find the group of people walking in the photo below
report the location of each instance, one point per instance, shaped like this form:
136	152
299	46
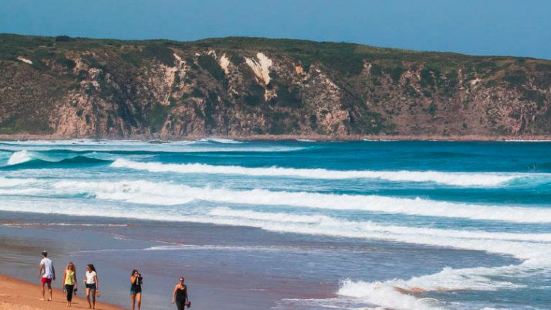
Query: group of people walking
91	283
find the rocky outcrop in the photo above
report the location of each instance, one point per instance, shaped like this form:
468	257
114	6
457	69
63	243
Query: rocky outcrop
257	87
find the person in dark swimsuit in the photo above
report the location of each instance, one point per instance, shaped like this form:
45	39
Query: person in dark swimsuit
179	295
136	289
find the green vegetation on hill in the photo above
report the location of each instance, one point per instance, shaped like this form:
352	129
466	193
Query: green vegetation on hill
118	88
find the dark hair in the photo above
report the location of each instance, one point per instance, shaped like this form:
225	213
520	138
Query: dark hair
182	279
44	253
134	271
91	266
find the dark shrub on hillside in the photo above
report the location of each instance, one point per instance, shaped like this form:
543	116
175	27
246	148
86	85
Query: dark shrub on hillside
255	95
159	52
289	97
63	39
157	117
426	78
210	64
67	63
396	73
516	78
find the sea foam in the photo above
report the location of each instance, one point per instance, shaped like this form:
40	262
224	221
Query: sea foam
220	140
19	157
146	192
531	248
447	178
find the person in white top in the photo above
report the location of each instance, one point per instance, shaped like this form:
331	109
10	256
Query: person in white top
47	274
91	282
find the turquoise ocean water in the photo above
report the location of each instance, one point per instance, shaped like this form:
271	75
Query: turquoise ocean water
401	225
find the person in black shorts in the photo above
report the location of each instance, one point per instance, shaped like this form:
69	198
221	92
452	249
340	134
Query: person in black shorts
91	282
136	289
179	295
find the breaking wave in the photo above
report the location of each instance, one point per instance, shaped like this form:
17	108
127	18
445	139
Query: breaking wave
447	178
26	159
129	146
220	140
97	193
530	248
19	157
145	192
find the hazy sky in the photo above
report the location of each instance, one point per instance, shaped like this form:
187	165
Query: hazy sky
500	27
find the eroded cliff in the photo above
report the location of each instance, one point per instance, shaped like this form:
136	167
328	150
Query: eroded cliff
240	87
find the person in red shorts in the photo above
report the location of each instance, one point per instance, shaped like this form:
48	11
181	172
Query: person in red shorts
47	274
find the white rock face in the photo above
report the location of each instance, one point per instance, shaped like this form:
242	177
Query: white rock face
25	60
178	59
475	81
212	53
261	68
224	62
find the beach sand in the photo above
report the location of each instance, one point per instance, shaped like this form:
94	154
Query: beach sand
17	294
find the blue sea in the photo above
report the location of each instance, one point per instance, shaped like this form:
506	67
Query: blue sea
288	224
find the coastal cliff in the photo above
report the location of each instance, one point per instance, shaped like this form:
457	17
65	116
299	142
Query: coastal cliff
66	87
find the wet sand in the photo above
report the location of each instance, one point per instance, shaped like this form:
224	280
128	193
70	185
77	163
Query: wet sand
18	294
228	267
219	275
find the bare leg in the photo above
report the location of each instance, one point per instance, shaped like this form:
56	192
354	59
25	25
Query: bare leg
139	298
88	297
43	291
94	299
50	291
133	301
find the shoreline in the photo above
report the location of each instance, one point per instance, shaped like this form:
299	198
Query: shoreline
326	138
20	294
200	274
119	246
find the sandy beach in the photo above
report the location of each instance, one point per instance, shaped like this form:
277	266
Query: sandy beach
17	294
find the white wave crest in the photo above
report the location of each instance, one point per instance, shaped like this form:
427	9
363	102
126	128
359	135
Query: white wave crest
144	192
401	294
229	248
220	145
19	157
407	294
220	140
342	228
12	182
447	178
533	247
382	294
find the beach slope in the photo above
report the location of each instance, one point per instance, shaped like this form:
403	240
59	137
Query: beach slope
17	294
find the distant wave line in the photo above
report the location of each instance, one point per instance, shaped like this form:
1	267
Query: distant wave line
463	179
145	192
